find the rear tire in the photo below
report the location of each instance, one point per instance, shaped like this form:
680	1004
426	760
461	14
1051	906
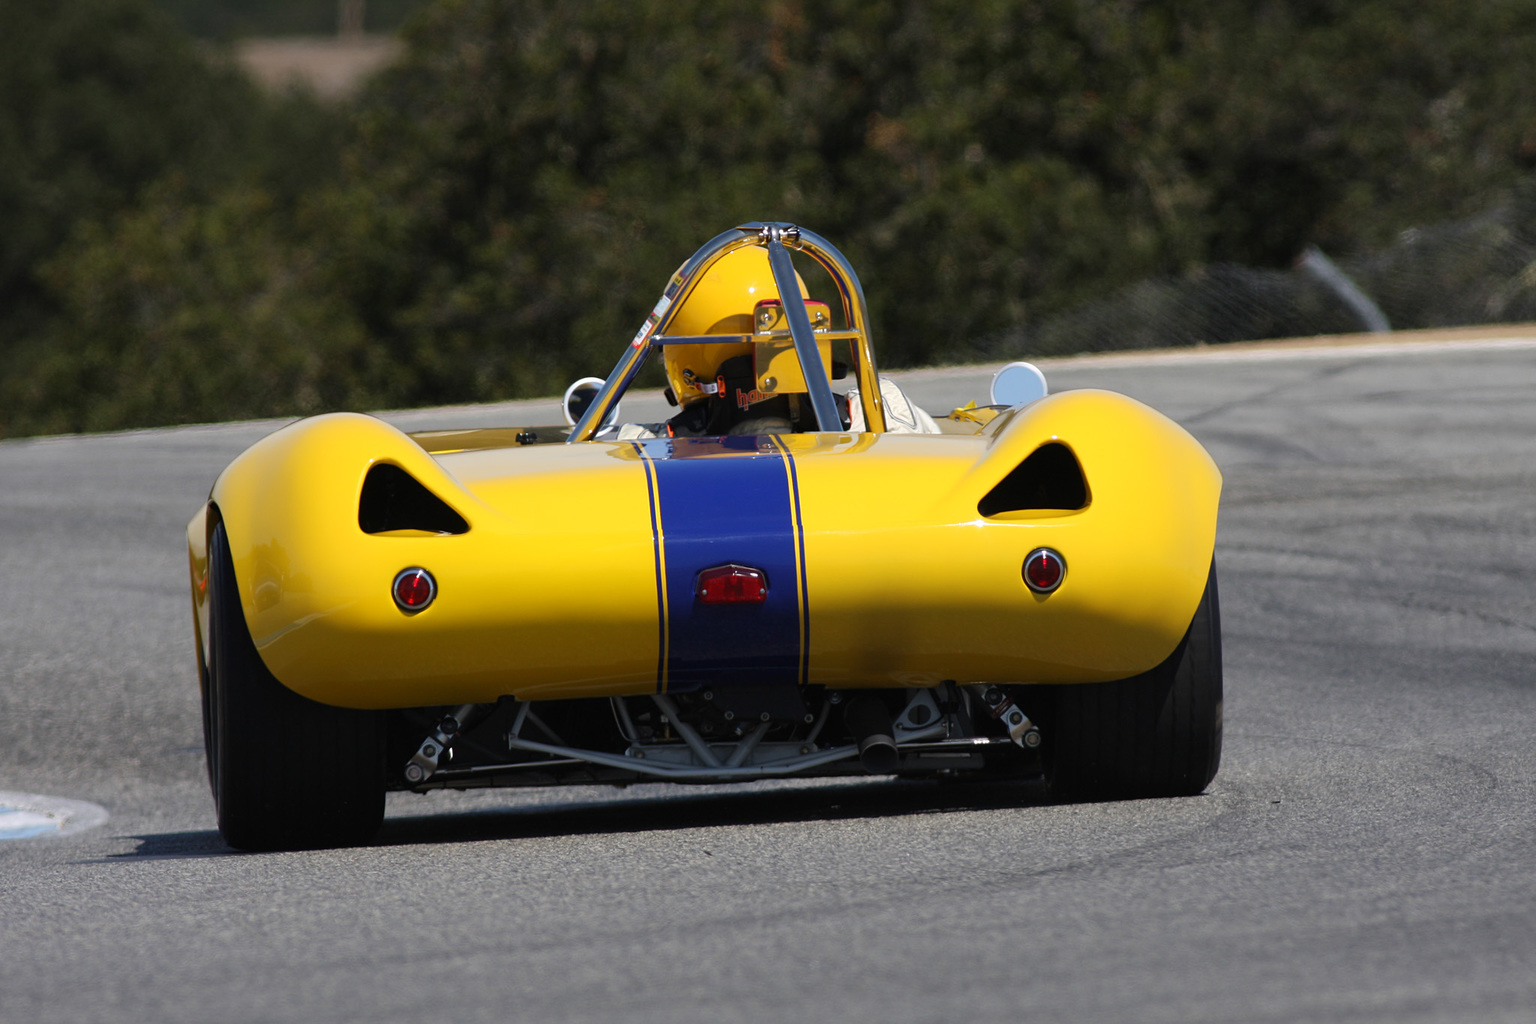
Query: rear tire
1156	734
287	772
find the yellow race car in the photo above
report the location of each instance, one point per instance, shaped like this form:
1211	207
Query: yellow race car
798	574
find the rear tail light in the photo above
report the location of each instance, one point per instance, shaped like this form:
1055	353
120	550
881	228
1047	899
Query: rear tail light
414	589
732	584
1044	570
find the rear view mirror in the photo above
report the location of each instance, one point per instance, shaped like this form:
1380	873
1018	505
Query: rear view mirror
579	396
1018	384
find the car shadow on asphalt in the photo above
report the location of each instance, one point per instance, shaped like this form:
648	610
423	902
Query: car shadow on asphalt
650	813
677	812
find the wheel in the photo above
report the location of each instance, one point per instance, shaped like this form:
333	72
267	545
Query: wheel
1156	734
286	772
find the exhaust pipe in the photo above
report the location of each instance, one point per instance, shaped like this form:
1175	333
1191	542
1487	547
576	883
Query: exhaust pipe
870	723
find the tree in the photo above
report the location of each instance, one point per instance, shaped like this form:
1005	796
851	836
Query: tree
97	99
509	199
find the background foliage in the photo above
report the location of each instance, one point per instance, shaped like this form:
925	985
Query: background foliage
498	210
230	19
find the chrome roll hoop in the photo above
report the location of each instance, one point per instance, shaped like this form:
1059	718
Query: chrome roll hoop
778	238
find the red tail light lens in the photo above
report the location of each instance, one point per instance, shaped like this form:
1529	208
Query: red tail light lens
414	589
1044	570
732	584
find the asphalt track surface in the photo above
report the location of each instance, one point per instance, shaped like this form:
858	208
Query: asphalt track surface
1367	851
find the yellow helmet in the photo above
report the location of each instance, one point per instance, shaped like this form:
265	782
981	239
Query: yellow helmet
721	303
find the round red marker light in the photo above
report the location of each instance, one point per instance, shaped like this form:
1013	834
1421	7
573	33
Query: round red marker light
414	589
1044	570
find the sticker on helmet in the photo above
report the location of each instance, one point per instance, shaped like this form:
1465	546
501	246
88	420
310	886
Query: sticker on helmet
691	379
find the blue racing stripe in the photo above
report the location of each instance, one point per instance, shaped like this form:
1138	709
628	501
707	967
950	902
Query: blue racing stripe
661	590
805	603
723	500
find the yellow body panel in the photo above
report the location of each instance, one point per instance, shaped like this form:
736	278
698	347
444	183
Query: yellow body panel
931	590
553	591
516	604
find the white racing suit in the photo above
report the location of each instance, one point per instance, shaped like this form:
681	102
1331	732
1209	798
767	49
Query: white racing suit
901	415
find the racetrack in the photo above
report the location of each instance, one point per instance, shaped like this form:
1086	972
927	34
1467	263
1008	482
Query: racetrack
1367	851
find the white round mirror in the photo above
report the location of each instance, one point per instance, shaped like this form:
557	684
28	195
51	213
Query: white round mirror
1017	384
578	397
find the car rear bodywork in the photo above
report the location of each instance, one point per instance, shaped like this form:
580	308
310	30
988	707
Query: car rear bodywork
573	574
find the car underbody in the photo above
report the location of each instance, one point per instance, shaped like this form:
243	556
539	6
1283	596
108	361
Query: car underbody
728	733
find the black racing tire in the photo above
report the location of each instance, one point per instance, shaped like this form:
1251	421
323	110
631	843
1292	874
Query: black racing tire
1153	735
287	772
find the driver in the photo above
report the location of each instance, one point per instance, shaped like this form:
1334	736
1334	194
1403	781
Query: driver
716	383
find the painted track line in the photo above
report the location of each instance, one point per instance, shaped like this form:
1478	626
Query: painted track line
30	816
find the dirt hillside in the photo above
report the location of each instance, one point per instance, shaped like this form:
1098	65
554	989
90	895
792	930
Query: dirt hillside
333	66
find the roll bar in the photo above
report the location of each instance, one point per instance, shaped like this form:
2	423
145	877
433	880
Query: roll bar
778	238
